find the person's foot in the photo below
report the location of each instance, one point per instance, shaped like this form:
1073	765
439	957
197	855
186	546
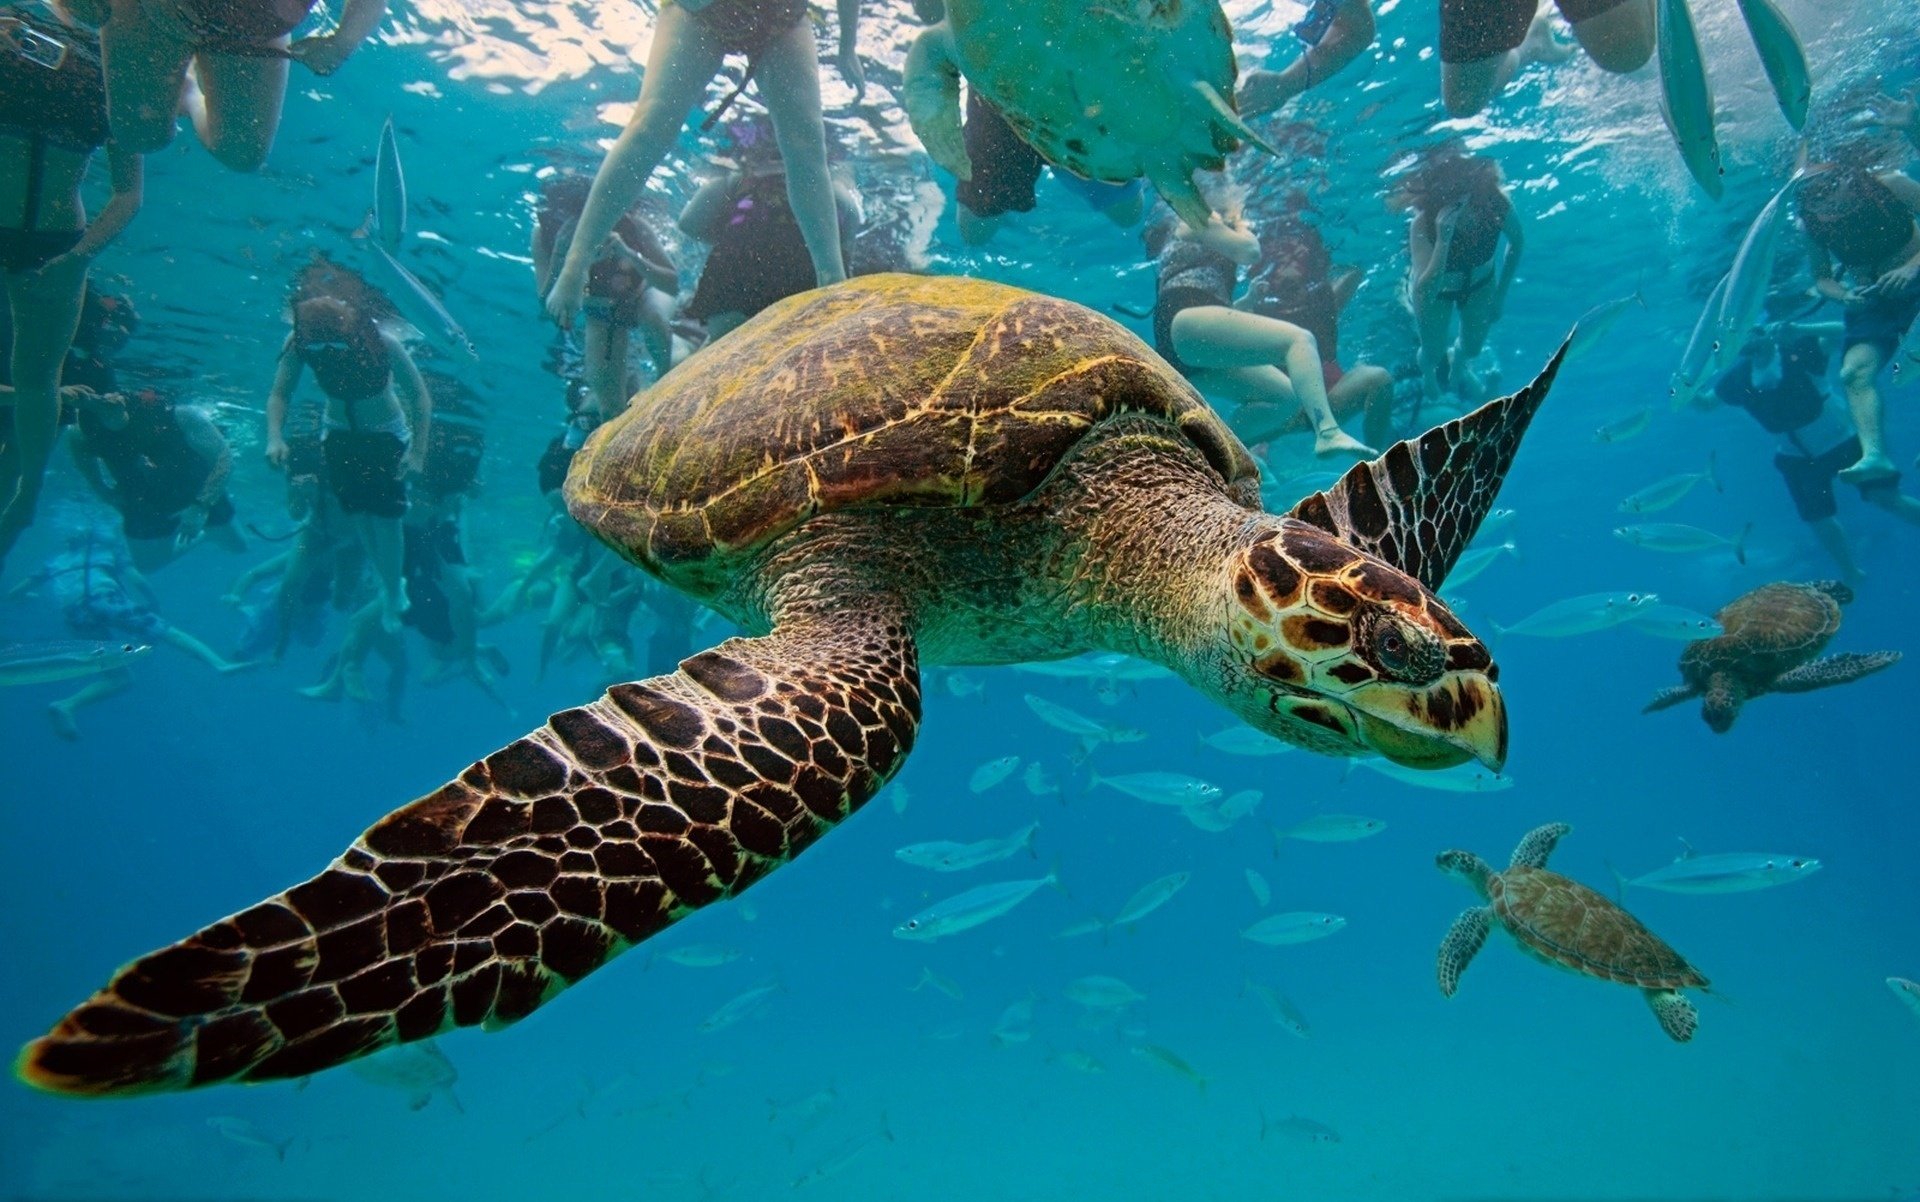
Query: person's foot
393	610
1869	469
63	724
1335	441
1541	45
227	667
326	690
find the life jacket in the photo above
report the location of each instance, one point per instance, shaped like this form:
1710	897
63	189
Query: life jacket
52	88
152	463
352	368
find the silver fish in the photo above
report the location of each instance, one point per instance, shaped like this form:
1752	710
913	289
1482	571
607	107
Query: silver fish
958	857
1302	1130
1679	539
1105	665
1669	492
419	1070
1907	991
845	1155
967	910
1039	781
1079	1062
1168	1058
1103	993
899	798
1467	778
1283	1011
1783	57
1150	897
932	979
744	1006
1331	828
1496	519
1674	622
1090	732
1626	427
991	773
960	684
1702	344
1595	323
421	307
1580	615
44	663
803	1110
1257	885
1015	1024
1751	277
1217	816
1295	926
701	955
389	191
244	1133
1474	562
1245	740
1088	926
1724	872
1163	788
1687	99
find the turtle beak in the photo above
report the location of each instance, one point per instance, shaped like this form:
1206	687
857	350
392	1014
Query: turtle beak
1457	718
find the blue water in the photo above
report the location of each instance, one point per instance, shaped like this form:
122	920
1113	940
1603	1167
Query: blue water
189	796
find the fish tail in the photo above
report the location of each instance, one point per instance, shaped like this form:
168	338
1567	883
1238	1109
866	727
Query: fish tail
1740	544
1619	883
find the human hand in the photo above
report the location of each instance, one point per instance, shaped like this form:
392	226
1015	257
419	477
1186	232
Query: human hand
1888	112
1898	280
277	452
852	71
321	54
568	293
193	524
1230	236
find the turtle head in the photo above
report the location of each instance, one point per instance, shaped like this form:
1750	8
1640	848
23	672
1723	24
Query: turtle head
1342	653
1465	866
1720	702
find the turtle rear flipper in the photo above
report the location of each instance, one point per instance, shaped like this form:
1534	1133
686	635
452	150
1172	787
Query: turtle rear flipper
1833	669
930	92
1669	697
481	901
1677	1016
1464	939
1419	505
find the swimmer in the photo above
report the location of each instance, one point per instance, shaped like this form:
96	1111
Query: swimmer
1331	35
1484	42
163	466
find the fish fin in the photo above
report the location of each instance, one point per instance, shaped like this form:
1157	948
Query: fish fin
1740	545
1619	883
1686	850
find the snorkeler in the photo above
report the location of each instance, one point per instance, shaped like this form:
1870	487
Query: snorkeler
1483	42
1780	380
104	597
53	116
1863	224
221	62
166	469
632	285
1245	357
690	40
1460	217
759	255
371	441
1332	34
1294	282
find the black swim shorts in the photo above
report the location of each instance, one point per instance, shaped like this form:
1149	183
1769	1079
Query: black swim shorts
1882	321
364	471
1473	30
1005	169
1810	479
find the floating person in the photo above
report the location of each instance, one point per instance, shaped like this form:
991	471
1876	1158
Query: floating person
1460	218
1773	635
1562	923
1259	363
53	116
1137	522
1293	282
631	286
108	322
1005	171
223	65
165	470
1331	35
1483	43
103	597
1780	382
689	42
1860	225
759	254
326	561
372	440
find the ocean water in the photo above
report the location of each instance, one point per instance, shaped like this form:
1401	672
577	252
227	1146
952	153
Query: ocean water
191	796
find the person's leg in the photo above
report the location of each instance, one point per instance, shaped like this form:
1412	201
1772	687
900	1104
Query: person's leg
1833	540
656	328
1621	39
346	674
1895	502
146	68
98	689
788	72
200	651
1476	322
385	547
1469	85
1859	369
1368	390
1433	323
1213	336
605	366
46	312
236	107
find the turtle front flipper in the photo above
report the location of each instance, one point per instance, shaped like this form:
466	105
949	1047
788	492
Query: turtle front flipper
481	901
1419	505
930	92
1832	670
1538	844
1677	1016
1464	939
1671	696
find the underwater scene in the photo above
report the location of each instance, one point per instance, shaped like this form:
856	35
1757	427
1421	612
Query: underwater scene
1387	527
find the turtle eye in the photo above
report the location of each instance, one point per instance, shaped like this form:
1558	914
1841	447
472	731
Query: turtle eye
1397	649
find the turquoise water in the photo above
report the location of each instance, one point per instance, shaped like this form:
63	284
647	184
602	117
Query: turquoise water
189	797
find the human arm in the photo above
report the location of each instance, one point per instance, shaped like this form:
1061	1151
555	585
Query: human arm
414	396
1351	33
211	446
848	60
1344	283
1515	234
649	257
1428	252
1901	277
702	217
324	53
128	171
1223	237
1901	115
286	375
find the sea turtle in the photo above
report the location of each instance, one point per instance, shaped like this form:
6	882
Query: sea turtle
1771	637
892	470
1563	923
1111	91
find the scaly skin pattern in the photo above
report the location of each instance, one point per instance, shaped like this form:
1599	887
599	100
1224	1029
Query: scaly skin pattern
487	897
1571	926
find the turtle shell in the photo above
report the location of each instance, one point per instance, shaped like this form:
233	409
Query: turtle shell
1569	925
885	391
1772	629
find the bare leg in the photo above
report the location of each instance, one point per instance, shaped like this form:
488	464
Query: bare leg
1833	539
1466	88
1621	39
1858	371
656	328
1433	319
46	311
1214	336
789	78
382	539
98	689
1476	322
146	68
236	108
1900	505
605	367
200	651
